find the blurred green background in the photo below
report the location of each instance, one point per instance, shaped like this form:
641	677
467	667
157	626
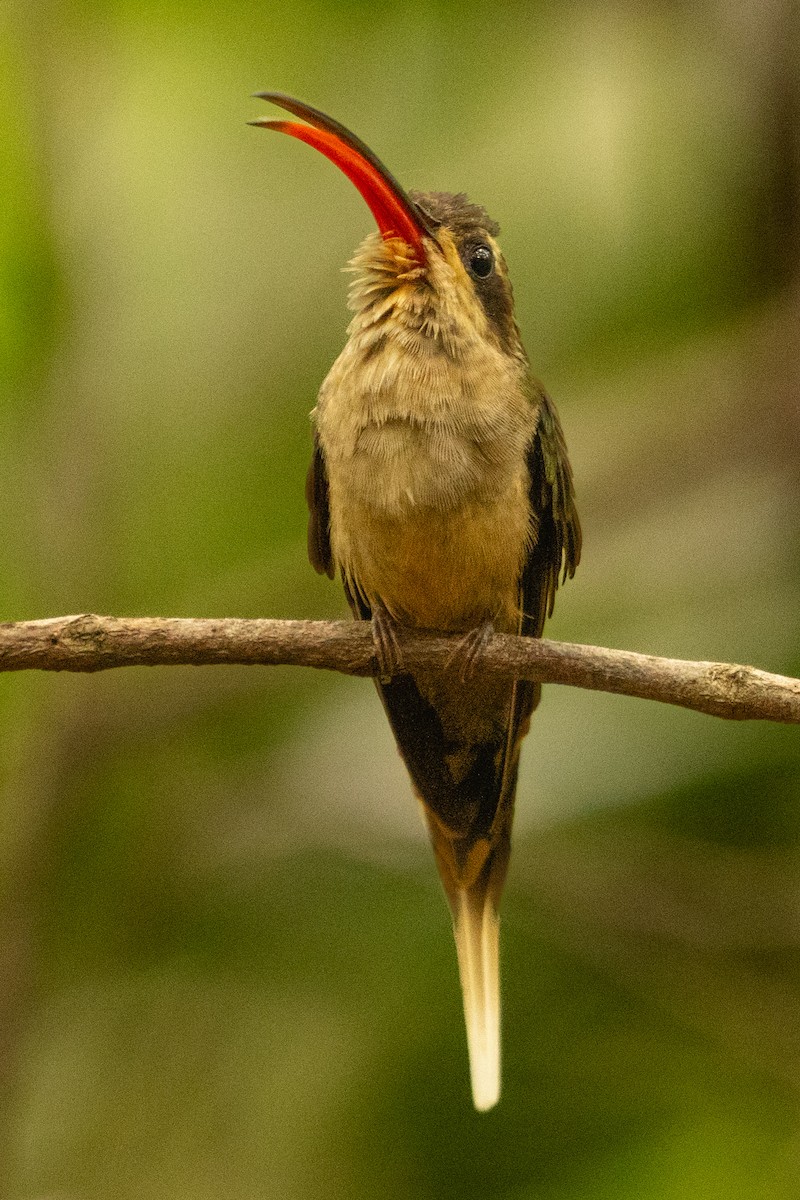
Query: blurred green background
226	970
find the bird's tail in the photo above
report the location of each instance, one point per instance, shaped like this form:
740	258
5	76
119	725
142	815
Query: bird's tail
477	933
473	871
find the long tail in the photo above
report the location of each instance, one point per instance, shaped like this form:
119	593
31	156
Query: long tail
477	933
461	747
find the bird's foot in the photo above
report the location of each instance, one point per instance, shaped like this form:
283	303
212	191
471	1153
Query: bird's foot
467	651
387	645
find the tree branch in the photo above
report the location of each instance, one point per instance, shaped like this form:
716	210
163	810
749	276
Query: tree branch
92	643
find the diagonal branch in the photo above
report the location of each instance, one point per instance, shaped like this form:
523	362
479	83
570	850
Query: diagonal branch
92	643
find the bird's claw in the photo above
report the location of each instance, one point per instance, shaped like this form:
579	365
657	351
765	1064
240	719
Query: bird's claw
467	651
387	646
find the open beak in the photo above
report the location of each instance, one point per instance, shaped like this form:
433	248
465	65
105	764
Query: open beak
395	212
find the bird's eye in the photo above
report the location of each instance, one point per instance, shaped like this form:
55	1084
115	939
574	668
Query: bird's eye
481	262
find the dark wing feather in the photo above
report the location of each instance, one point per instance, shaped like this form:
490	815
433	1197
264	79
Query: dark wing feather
556	550
319	514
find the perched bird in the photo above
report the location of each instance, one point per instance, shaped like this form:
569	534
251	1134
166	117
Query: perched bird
441	490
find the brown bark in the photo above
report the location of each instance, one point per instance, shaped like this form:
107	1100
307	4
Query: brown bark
93	643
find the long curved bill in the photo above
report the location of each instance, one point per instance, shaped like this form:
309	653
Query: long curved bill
395	212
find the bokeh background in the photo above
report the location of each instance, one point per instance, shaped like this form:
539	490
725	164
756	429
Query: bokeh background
226	970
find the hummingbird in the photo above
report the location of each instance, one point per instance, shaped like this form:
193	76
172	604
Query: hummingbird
441	491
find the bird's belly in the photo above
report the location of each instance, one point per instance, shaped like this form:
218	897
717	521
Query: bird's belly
448	568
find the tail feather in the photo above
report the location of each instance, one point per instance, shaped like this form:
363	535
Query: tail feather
477	934
462	756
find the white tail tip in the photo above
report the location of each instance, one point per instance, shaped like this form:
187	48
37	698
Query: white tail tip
477	933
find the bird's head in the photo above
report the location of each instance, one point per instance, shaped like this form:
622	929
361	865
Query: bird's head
434	268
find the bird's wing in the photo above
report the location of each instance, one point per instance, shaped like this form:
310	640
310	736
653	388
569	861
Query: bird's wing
319	515
553	557
557	547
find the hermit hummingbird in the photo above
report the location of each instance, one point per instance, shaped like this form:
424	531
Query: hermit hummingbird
441	490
